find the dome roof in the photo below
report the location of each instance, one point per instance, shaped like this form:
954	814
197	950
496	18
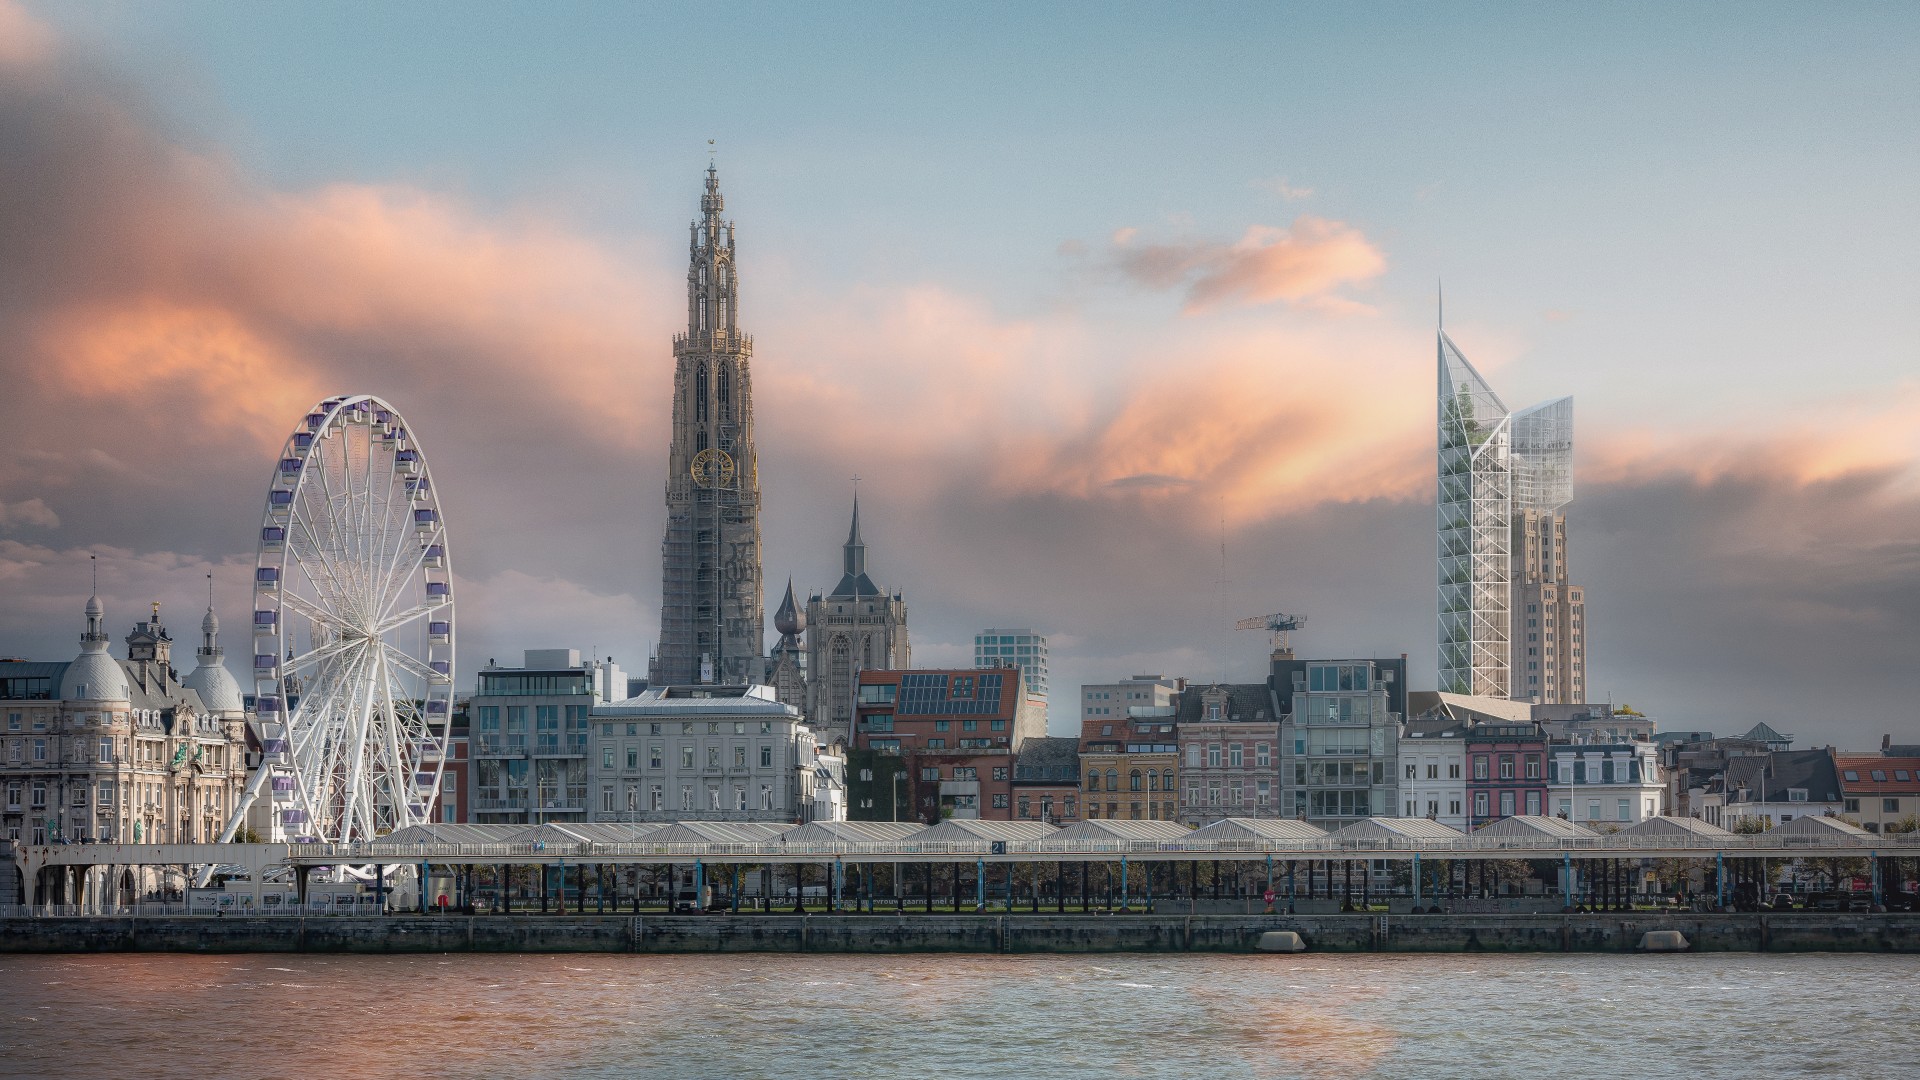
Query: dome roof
210	624
94	607
94	676
218	690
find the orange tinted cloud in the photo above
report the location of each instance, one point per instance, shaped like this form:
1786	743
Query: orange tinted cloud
1305	264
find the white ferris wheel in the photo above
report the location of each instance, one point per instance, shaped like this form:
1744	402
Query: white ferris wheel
353	630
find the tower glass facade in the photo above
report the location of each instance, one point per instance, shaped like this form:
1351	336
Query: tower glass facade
1511	625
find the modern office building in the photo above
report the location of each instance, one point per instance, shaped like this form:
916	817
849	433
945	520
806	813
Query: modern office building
709	753
1105	701
1022	648
1510	623
711	609
528	736
1339	737
856	627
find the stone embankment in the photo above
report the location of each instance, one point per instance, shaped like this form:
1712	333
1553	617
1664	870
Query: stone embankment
1621	932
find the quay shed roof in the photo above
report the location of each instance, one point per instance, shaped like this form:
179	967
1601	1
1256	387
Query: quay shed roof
1120	832
1257	831
1676	826
450	834
1536	825
849	832
716	832
1397	829
1822	826
978	831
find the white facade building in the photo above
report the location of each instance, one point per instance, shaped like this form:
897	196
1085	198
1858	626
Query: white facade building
1603	784
1433	771
709	753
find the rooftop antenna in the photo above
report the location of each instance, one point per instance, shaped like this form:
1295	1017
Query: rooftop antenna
1440	296
94	561
710	153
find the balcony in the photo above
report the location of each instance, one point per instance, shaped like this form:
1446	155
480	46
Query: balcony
494	803
558	746
510	747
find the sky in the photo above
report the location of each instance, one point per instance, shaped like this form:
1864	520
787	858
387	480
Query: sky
1123	313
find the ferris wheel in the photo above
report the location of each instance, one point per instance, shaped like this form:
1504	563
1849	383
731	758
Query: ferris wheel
353	631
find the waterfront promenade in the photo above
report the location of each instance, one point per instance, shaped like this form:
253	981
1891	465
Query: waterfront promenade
1615	932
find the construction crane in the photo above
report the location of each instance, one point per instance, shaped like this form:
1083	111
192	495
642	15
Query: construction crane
1279	625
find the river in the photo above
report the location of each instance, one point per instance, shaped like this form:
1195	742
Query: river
806	1016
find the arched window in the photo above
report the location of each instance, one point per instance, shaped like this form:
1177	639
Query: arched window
1093	779
700	389
1153	780
1133	780
1166	780
726	387
1113	779
842	654
699	441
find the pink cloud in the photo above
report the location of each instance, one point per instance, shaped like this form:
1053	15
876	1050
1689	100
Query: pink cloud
1305	264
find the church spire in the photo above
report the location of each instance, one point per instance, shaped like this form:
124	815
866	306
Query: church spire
853	561
711	285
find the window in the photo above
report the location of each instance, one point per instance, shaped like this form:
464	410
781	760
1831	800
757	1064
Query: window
999	772
1533	767
606	757
1413	773
1000	801
740	760
1479	768
606	800
1193	756
633	758
1234	758
1890	806
1213	755
1533	803
1133	780
106	751
1093	779
930	774
1262	755
1852	806
1624	810
963	772
1593	809
686	759
1113	779
1506	804
1479	804
713	759
766	755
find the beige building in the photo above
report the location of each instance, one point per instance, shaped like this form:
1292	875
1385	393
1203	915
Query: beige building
1549	615
121	751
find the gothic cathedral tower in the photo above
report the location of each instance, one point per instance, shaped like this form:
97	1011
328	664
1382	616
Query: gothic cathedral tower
711	610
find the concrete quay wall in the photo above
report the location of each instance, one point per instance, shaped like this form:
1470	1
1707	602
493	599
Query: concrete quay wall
956	933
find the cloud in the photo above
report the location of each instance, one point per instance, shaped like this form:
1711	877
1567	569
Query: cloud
1278	185
28	512
1305	264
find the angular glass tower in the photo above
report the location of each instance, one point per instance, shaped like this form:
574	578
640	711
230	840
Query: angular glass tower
1475	508
1511	624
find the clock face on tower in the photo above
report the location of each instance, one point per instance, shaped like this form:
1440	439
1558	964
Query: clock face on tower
712	468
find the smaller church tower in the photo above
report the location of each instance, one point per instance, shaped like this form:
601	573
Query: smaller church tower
856	627
789	663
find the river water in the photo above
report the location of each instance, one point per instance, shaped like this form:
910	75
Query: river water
787	1016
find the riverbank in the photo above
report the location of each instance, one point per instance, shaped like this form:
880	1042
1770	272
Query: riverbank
1602	933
